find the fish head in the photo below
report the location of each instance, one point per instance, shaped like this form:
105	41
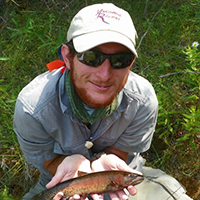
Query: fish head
133	179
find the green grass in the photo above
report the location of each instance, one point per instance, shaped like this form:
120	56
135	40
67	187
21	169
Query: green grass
31	32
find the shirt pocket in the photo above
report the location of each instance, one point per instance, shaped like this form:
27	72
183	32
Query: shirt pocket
70	149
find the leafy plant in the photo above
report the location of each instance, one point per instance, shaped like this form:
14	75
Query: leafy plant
191	125
192	118
4	195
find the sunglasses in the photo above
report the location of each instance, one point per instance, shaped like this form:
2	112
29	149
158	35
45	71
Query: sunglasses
94	58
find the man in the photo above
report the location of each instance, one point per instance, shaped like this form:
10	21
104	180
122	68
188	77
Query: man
90	112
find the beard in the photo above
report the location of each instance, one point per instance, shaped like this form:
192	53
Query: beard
85	96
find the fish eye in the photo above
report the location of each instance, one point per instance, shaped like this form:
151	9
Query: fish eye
131	175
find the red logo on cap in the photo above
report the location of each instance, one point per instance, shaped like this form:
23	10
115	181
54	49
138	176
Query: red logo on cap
101	15
106	14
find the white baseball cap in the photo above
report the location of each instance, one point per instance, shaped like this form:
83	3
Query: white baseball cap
102	23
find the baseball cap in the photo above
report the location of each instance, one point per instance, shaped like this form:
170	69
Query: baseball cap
102	23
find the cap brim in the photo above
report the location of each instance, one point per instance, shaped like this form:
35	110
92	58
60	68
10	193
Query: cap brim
90	40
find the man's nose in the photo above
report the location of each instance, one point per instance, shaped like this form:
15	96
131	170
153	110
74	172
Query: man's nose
105	70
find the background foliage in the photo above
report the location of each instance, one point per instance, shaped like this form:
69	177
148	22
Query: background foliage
30	33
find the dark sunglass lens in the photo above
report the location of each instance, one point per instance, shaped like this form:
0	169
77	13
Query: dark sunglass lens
128	59
90	58
116	61
121	60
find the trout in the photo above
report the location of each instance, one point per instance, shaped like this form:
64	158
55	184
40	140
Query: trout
93	183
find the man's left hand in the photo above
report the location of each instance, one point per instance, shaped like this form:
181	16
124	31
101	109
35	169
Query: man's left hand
113	162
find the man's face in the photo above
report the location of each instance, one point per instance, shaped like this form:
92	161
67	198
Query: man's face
98	86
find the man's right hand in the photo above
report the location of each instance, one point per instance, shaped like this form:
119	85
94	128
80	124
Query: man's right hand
68	169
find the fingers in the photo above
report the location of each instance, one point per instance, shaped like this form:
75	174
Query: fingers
97	196
61	172
77	197
121	195
53	182
118	195
58	196
132	190
56	179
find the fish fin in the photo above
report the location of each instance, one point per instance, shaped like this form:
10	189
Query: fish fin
114	183
81	173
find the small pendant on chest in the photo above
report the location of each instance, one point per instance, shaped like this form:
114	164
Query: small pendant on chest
89	144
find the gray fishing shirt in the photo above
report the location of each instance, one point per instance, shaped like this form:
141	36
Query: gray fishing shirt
45	125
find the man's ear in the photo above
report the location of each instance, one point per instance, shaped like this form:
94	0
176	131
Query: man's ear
67	57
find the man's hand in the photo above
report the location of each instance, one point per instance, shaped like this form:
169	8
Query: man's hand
68	169
112	162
